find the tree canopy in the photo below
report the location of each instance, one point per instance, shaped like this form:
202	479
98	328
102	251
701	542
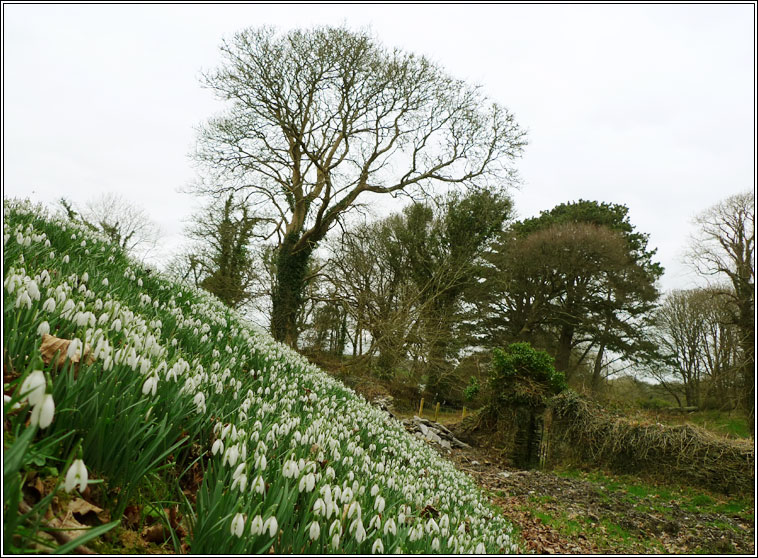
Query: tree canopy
318	118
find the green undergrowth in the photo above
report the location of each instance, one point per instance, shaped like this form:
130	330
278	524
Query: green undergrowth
655	497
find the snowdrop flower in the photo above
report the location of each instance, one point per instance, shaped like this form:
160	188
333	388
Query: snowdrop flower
354	507
256	526
335	540
240	481
290	469
390	527
379	504
480	549
199	401
377	547
374	490
23	299
150	386
232	453
272	525
238	525
74	348
307	483
315	530
49	305
218	446
360	532
259	485
105	282
116	324
319	508
34	387
76	475
42	413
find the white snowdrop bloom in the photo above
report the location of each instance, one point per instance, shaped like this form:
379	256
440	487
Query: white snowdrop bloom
139	282
66	259
225	431
319	507
335	540
271	525
150	386
33	387
231	454
360	532
374	490
76	476
200	402
238	471
480	549
260	462
42	413
431	525
290	469
238	525
23	300
355	507
435	544
326	493
347	495
85	277
335	527
256	526
375	523
105	282
259	485
377	547
390	527
33	290
444	521
43	328
308	482
74	348
379	504
116	324
240	481
314	531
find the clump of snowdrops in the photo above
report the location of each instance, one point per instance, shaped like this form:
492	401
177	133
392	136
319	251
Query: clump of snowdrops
292	460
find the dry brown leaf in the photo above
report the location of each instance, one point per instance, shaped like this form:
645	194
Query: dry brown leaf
155	534
52	345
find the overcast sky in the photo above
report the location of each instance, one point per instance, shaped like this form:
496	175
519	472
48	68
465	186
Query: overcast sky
651	106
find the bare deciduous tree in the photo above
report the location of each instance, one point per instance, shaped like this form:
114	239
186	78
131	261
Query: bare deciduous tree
125	223
725	247
318	118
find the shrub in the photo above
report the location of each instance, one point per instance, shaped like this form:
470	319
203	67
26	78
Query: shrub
522	375
472	389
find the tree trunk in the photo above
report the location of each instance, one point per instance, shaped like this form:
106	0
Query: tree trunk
564	350
597	368
287	298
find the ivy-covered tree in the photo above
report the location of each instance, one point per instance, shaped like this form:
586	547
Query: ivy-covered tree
318	119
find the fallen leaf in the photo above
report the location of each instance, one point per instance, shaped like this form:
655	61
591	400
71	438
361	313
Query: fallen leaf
155	534
52	345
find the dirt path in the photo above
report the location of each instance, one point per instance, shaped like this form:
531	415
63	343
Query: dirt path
589	514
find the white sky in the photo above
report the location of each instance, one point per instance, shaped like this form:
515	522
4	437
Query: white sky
651	106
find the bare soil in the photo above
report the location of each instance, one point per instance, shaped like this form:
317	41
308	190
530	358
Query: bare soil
600	514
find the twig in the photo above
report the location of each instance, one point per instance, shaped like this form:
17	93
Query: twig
57	535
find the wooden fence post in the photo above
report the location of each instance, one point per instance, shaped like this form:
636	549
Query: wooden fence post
463	416
421	408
